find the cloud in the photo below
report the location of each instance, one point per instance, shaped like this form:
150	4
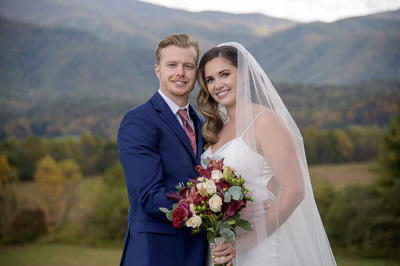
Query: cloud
304	11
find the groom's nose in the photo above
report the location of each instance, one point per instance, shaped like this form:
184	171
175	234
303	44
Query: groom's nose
180	71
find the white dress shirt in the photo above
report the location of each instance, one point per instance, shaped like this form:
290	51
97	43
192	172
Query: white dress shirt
175	108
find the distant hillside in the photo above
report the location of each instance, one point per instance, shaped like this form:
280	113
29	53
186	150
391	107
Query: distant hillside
135	23
91	63
40	63
345	52
389	15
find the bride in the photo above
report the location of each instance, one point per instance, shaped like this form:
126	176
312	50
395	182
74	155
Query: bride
248	125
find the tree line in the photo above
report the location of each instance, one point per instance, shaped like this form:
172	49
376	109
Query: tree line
94	154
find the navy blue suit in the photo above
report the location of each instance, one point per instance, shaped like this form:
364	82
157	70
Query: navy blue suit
156	155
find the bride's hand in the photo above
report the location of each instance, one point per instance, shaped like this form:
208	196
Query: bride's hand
254	210
227	250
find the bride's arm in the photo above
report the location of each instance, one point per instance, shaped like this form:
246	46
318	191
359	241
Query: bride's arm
276	144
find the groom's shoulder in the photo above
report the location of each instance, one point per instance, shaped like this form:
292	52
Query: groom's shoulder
144	109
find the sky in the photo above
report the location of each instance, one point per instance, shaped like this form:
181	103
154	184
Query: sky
297	10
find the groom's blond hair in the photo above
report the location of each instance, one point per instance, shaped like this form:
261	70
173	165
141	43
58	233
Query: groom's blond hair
181	40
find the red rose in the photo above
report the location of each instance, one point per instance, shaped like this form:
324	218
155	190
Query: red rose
178	217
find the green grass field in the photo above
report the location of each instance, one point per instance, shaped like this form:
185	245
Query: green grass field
58	255
69	255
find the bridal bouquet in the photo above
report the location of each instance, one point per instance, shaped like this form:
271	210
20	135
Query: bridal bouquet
210	202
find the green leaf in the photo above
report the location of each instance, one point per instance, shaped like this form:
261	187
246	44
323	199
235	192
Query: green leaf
244	224
231	222
211	236
164	210
228	233
169	215
235	217
236	192
227	197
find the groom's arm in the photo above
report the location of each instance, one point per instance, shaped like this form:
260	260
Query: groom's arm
139	154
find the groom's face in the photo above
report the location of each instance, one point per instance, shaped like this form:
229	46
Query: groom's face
177	72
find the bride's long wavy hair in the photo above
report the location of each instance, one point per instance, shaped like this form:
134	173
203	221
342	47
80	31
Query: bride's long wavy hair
209	108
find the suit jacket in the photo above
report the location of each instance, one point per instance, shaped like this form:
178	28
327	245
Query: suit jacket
156	155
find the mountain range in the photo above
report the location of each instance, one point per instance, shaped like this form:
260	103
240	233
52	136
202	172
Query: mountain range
54	50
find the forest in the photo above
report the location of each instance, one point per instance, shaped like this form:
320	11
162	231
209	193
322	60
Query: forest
43	179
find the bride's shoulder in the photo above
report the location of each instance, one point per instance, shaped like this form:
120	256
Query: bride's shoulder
265	118
261	113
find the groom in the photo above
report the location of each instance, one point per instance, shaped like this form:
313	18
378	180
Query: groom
159	144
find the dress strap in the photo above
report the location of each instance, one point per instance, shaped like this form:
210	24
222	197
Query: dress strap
251	124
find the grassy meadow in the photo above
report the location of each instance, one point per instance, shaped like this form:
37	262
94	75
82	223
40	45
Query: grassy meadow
70	255
50	250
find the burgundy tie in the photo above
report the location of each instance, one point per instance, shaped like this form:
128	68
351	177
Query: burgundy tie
188	129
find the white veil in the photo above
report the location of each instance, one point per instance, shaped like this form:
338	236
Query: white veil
304	240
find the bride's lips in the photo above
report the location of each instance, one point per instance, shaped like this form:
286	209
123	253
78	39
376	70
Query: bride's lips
222	94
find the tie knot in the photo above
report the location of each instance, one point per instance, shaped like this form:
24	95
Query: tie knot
182	114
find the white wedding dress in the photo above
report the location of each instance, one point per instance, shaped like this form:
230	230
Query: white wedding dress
276	249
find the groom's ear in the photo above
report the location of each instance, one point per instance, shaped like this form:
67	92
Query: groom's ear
157	69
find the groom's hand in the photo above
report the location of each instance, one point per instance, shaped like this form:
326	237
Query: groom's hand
227	250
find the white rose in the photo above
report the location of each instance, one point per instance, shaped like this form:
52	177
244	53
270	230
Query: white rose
215	203
210	187
194	222
216	174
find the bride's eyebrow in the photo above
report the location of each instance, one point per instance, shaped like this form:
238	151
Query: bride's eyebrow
223	71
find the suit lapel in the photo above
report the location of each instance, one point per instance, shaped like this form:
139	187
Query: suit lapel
169	118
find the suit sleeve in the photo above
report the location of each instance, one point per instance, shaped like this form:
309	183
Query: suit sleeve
138	143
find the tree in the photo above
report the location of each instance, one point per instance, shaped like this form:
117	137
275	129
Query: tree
50	181
72	175
70	169
89	147
311	137
344	144
7	196
389	159
32	150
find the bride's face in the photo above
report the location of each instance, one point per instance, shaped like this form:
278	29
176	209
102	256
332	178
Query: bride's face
221	80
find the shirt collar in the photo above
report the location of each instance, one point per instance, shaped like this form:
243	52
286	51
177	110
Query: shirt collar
173	106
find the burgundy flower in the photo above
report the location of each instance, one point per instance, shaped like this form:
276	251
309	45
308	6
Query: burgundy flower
178	217
199	199
232	207
222	184
199	169
185	206
216	165
178	195
207	172
191	195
